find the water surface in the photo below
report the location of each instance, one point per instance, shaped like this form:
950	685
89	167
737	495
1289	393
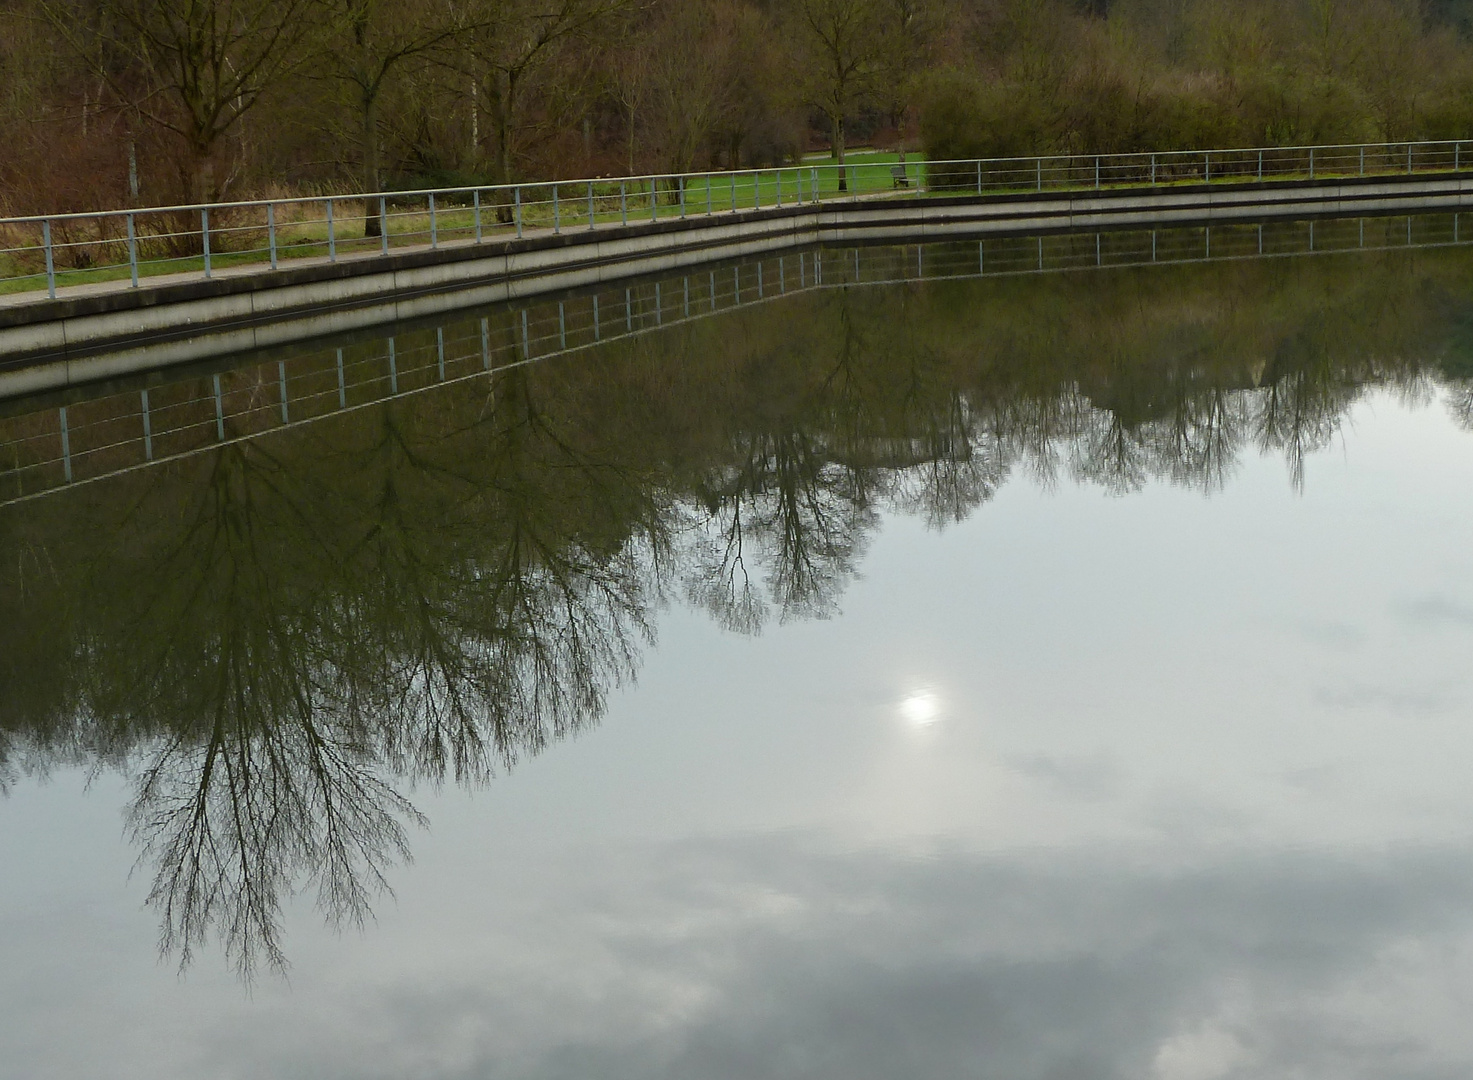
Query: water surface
992	672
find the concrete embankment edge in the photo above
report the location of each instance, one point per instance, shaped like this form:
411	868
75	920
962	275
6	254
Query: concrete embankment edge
52	345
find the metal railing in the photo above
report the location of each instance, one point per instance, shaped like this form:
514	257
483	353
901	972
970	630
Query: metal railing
109	432
116	246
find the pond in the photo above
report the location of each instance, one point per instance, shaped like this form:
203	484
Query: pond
1035	659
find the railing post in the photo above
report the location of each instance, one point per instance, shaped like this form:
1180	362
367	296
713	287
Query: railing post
1097	172
756	191
342	386
1207	166
654	201
590	204
383	225
434	226
708	195
733	192
1311	163
1409	159
204	224
623	203
1363	161
517	211
979	178
1039	164
132	252
281	381
813	183
681	181
1260	166
50	262
779	187
1457	147
271	231
332	239
1153	170
476	202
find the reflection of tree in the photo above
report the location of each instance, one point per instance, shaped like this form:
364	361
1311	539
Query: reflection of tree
276	635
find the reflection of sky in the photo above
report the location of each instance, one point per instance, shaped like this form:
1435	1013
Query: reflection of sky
1153	786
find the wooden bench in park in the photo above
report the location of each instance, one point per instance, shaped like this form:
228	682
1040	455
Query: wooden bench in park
898	178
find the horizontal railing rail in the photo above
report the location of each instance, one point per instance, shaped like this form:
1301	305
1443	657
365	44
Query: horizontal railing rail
57	251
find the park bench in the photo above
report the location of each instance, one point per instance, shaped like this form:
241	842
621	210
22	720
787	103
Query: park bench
898	179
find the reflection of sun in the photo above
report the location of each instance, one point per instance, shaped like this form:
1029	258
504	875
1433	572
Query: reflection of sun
921	708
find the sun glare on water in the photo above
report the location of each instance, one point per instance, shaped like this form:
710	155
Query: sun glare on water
921	709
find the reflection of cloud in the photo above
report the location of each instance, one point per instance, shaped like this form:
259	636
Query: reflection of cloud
1397	702
1437	610
1088	777
881	967
1205	1053
1334	635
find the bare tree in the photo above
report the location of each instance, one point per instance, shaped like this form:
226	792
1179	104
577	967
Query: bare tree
369	41
841	46
193	67
515	41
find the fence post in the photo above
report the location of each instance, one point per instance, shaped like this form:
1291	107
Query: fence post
204	223
132	251
623	202
517	211
50	263
271	231
476	202
332	239
590	204
557	222
434	230
383	225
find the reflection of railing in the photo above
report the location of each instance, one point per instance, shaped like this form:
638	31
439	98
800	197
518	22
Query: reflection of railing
58	250
51	449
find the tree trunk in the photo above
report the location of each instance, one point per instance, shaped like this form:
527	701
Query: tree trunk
502	118
839	152
372	181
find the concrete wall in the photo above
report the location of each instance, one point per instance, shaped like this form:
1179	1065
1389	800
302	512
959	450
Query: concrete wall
51	344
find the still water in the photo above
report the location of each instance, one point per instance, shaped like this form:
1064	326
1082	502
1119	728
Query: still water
933	665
